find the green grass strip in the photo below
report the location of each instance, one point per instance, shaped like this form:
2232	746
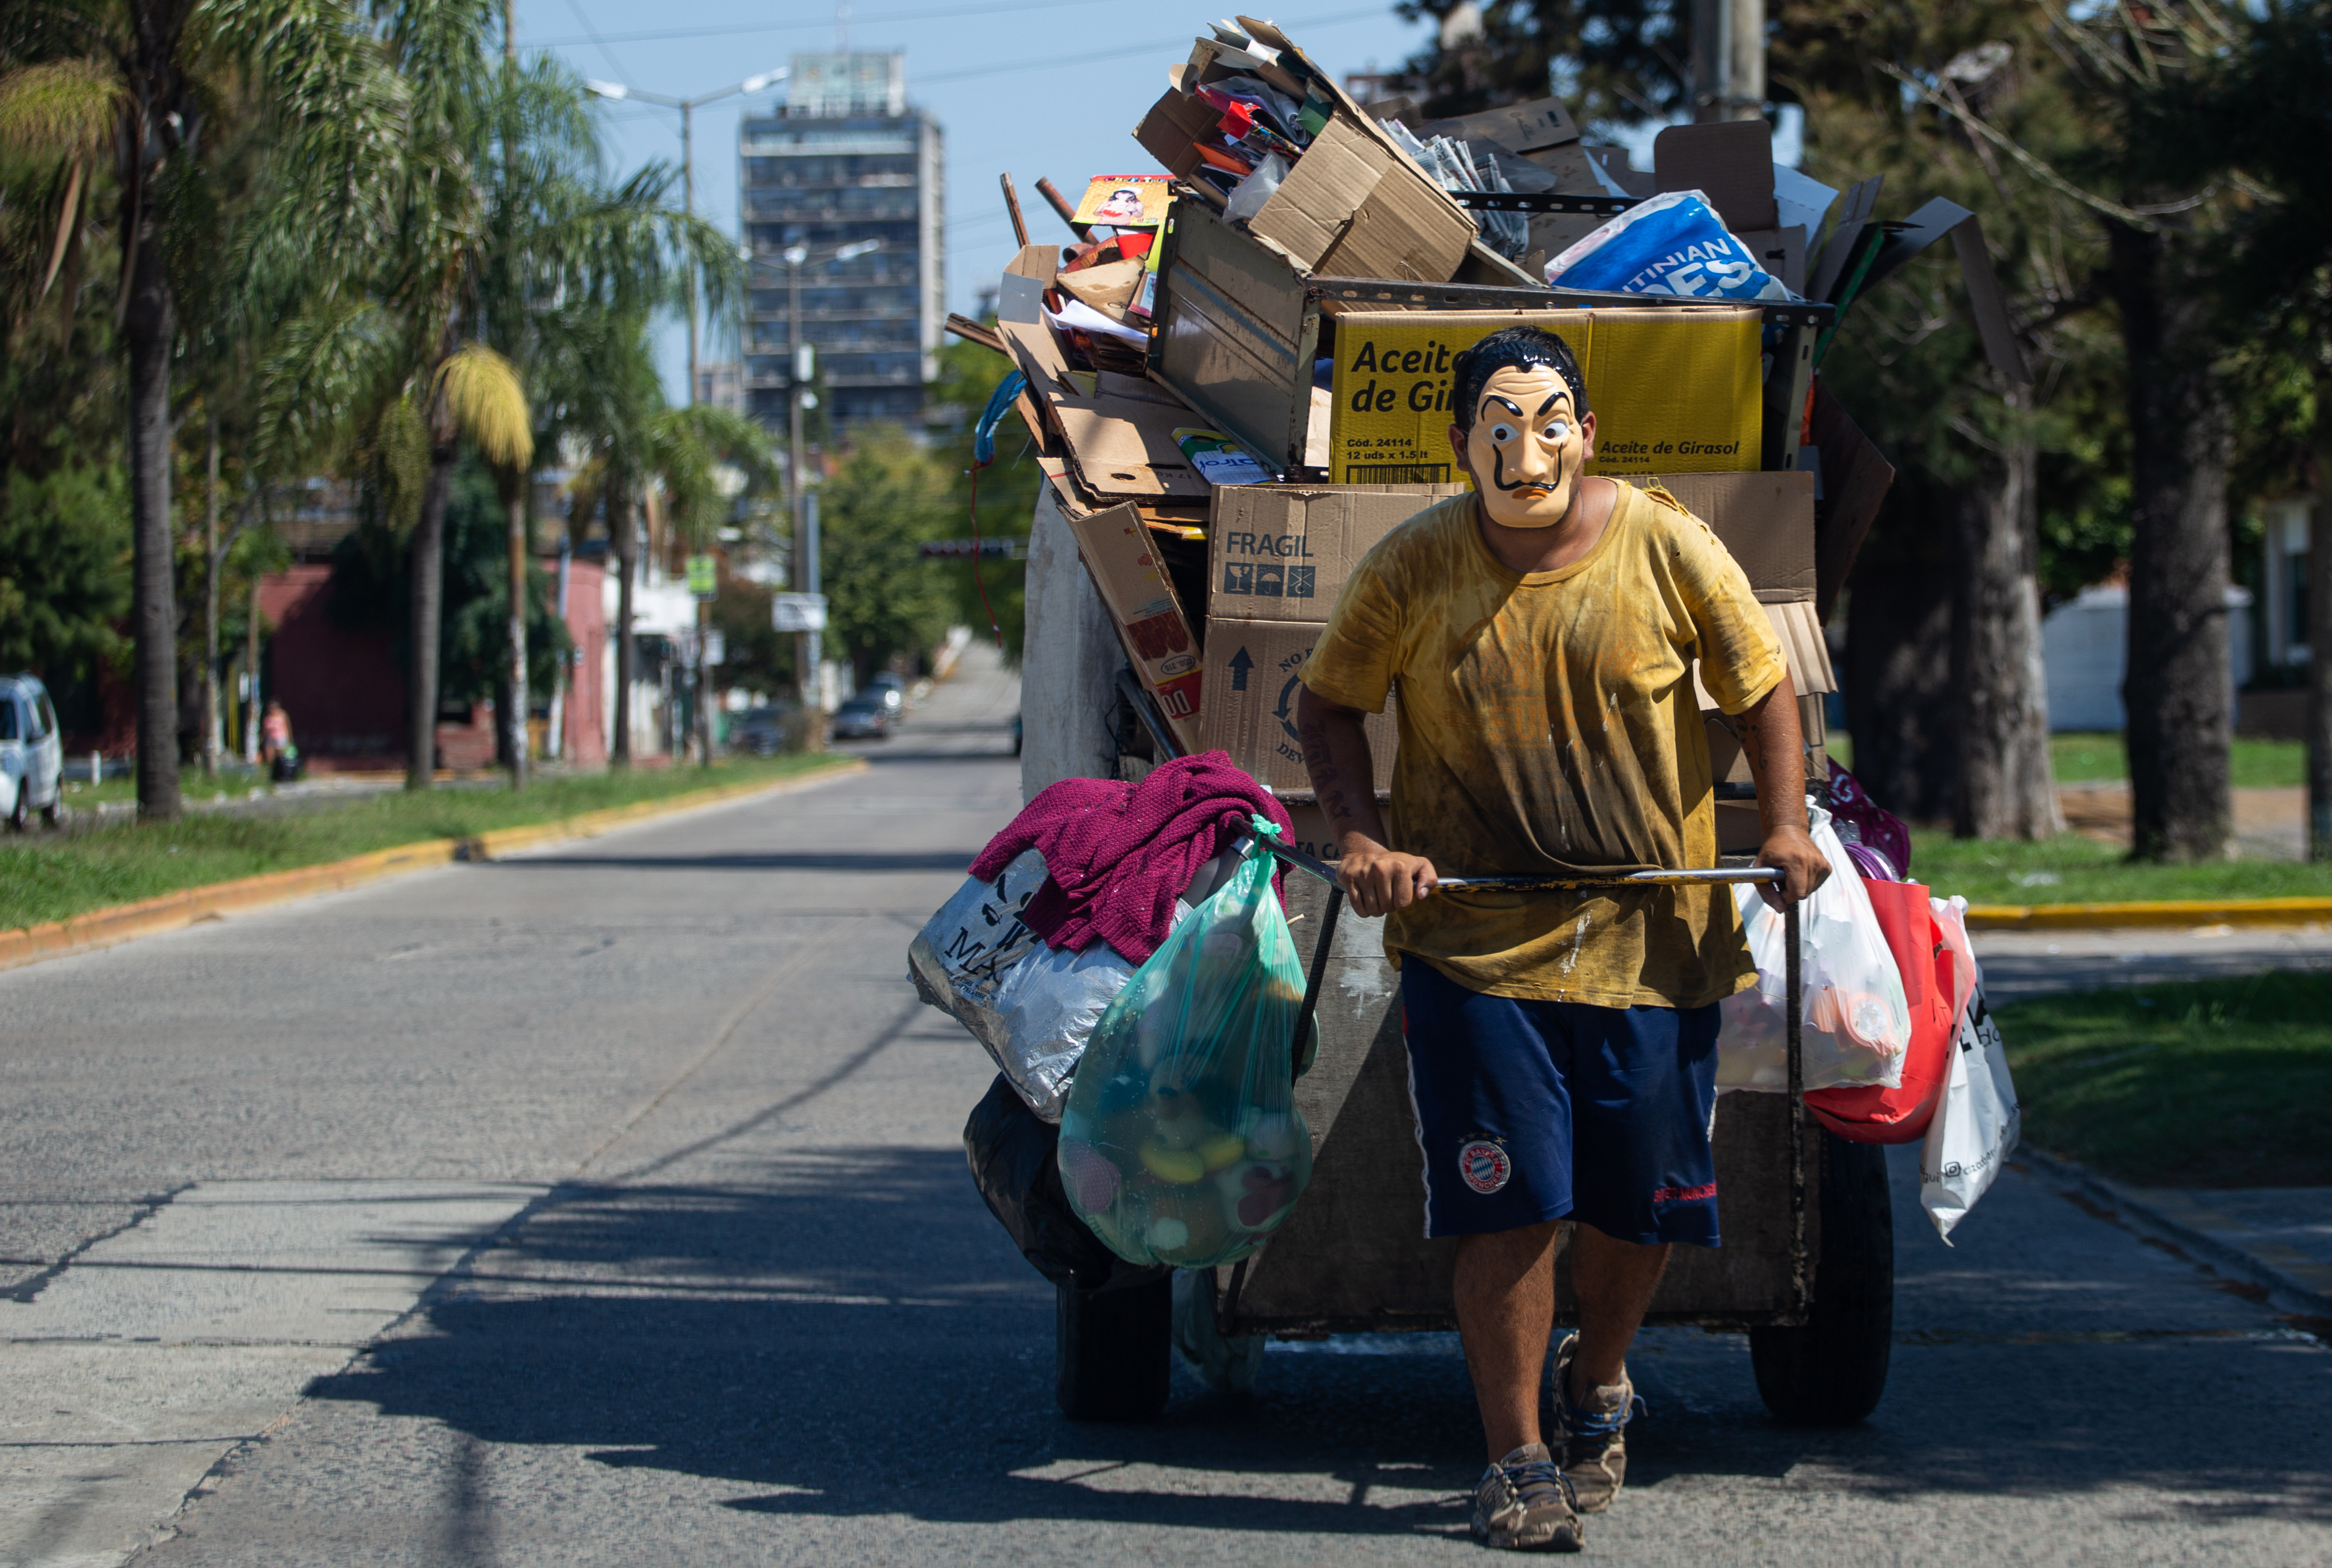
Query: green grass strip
46	876
2099	758
2073	869
2215	1083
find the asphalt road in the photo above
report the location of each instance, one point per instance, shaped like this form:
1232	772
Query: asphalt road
606	1206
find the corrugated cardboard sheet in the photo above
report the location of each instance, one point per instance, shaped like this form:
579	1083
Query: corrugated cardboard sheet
1803	651
1354	206
1118	552
1252	675
1279	553
1766	520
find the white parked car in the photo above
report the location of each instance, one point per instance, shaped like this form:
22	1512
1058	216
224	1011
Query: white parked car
31	756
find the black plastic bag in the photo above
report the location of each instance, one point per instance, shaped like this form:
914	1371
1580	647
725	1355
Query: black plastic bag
1011	1151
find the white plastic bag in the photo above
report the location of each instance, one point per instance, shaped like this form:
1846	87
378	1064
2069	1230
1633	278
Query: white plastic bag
1857	1023
1976	1123
1034	1007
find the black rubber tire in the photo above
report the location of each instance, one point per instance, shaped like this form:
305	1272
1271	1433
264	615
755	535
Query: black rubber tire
1114	1350
1831	1371
19	813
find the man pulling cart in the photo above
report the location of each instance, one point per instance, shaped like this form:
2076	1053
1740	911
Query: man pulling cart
1542	633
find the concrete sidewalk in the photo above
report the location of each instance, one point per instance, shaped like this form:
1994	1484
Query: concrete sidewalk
2275	1239
2278	1238
2018	964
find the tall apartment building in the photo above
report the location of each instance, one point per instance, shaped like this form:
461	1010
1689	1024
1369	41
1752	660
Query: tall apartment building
845	158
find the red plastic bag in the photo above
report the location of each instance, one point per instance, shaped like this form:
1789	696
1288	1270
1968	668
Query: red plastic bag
1931	988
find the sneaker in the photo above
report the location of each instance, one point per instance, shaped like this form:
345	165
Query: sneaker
1523	1504
1593	1435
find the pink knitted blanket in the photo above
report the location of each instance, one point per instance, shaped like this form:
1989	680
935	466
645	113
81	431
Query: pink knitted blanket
1119	854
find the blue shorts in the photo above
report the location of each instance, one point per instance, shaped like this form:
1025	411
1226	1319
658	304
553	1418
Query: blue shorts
1530	1111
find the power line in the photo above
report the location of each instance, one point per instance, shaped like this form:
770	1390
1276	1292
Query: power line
592	36
804	26
1117	51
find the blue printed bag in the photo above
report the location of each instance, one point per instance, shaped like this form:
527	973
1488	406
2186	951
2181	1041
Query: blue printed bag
1674	243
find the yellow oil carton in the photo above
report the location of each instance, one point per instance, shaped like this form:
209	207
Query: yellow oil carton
1674	390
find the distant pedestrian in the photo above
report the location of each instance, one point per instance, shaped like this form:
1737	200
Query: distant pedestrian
274	732
275	748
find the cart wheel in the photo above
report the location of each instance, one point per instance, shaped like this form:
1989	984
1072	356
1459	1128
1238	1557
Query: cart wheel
1831	1371
1114	1350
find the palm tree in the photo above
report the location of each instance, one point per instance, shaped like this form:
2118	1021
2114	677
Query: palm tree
612	399
503	222
142	79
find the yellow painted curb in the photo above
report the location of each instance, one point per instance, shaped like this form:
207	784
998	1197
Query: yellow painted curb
2253	912
172	911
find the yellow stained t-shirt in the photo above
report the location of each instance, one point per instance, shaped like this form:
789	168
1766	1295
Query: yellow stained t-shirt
1548	725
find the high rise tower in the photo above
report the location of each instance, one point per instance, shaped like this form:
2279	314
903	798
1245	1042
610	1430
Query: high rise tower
845	159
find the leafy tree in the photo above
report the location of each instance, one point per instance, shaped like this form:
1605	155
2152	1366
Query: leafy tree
1005	490
1622	60
63	539
1946	696
371	587
131	88
875	513
757	656
501	233
2237	98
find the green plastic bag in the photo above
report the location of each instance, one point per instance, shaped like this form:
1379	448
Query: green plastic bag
1180	1143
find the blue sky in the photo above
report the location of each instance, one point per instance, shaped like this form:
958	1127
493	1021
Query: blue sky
1043	87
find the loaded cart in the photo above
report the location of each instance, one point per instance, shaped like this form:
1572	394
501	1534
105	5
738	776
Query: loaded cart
1236	396
1807	1268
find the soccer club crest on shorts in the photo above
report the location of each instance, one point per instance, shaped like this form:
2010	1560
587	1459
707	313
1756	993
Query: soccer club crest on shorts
1484	1164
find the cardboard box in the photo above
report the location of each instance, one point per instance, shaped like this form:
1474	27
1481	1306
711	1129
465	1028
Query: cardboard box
1766	520
1311	835
1519	127
1852	478
1354	206
1281	553
1674	390
1728	764
1729	162
1252	673
1117	551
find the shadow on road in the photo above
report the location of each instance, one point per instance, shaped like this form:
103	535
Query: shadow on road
773	861
843	1335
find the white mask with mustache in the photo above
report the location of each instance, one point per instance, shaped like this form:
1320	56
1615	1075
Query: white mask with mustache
1526	447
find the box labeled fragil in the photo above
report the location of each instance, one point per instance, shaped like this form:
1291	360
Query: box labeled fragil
1283	553
1672	390
1254	671
1132	583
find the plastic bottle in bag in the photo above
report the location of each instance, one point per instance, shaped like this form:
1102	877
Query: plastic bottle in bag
1180	1141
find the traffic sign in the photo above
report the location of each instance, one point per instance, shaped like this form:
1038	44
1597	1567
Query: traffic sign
703	579
798	611
1007	550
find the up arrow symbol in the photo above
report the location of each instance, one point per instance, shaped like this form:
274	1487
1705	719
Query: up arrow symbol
1240	665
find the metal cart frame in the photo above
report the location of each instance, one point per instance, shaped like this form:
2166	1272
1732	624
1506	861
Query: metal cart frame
1817	1305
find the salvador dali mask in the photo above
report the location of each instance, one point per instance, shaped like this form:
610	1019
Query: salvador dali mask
1526	447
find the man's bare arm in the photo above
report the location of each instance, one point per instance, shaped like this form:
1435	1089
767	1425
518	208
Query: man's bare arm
1343	776
1774	744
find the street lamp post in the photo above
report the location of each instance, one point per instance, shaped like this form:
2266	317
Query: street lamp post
618	91
807	677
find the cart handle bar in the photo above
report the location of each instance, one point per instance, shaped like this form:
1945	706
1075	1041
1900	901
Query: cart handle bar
1634	879
1327	873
